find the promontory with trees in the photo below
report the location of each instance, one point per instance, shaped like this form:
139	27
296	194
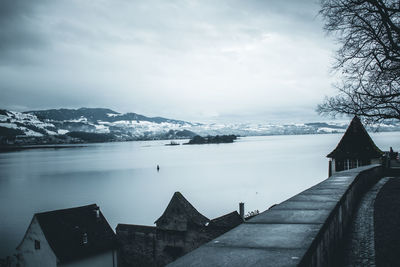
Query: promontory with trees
199	140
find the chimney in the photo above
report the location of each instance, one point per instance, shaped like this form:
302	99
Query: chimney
241	210
97	213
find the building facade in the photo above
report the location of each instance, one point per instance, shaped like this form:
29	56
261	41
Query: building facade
179	230
75	237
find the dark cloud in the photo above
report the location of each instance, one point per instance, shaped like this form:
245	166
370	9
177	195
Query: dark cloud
11	9
19	31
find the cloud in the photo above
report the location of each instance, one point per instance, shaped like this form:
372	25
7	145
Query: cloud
188	59
18	26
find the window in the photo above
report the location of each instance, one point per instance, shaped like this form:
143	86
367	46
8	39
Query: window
346	164
352	164
339	165
37	244
365	162
84	239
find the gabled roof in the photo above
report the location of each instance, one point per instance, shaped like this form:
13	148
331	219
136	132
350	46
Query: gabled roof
179	205
356	143
64	231
133	228
229	220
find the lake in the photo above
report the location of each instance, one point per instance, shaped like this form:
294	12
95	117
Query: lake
123	180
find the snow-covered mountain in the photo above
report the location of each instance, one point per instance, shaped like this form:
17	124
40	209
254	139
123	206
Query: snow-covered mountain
258	129
95	115
86	125
102	125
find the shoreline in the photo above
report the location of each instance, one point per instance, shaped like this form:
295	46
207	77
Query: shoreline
19	148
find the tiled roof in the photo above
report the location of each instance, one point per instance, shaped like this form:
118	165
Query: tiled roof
229	220
65	231
133	228
356	143
179	205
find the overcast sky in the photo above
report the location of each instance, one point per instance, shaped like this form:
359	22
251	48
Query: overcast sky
232	60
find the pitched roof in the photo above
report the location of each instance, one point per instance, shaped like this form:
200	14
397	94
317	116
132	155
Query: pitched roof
133	228
64	230
178	203
356	143
229	220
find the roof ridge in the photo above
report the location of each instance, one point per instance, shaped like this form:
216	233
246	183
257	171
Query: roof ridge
226	215
67	209
187	207
134	225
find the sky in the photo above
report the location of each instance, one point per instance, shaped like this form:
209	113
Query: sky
195	60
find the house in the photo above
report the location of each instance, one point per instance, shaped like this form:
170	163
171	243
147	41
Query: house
78	236
355	149
179	230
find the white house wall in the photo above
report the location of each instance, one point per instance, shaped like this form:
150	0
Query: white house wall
108	259
31	257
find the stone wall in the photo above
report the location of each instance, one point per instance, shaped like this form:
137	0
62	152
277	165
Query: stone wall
157	247
326	250
136	248
106	259
305	230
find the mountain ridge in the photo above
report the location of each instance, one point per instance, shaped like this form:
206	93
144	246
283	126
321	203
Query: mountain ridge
60	126
85	125
96	114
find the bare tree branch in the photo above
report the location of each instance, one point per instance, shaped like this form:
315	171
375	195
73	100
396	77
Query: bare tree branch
369	58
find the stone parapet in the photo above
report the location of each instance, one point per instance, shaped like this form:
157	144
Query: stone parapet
305	230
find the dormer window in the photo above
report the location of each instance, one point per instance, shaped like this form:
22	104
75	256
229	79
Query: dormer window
37	244
84	238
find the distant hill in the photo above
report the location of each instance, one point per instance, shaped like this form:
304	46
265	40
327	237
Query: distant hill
86	125
105	125
94	115
326	125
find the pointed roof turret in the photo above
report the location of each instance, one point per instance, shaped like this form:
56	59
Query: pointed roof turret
356	143
179	208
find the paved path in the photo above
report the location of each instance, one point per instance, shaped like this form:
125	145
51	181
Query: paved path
360	247
386	224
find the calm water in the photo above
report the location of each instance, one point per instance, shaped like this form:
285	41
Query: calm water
122	177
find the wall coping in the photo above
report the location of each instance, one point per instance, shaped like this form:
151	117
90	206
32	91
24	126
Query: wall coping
282	235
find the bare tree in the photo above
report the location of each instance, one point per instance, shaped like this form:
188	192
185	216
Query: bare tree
368	59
